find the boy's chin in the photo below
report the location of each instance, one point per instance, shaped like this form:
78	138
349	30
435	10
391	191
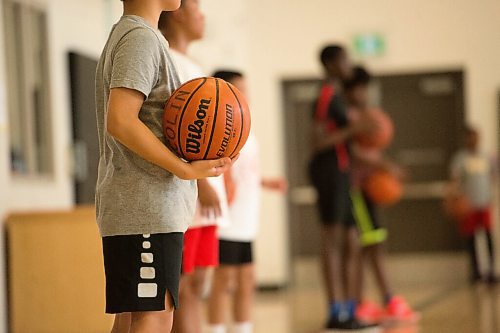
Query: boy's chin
171	5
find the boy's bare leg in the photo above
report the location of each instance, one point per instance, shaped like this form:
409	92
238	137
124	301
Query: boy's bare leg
189	315
491	256
351	265
154	321
376	255
220	297
244	294
344	265
121	323
360	279
330	259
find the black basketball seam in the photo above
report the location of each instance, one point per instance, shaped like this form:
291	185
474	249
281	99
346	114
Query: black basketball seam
242	120
182	115
215	117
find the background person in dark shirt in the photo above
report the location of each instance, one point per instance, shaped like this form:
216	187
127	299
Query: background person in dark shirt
329	173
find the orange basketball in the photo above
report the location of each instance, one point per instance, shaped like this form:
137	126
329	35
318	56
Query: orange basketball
457	207
383	188
206	118
381	137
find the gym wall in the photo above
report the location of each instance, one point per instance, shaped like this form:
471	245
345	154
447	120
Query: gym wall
272	40
283	38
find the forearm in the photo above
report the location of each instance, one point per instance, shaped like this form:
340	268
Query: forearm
363	158
267	183
453	187
137	137
330	140
276	184
371	161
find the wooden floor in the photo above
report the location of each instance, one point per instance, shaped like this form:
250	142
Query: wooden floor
435	285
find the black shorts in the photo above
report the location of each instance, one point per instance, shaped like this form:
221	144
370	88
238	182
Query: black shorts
235	253
333	189
140	269
370	230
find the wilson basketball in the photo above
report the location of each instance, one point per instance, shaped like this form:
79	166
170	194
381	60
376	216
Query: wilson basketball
383	188
206	118
380	137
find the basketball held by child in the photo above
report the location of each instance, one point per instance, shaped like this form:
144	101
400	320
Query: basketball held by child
381	136
206	118
457	207
383	188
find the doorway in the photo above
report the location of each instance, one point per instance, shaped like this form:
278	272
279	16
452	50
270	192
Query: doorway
85	138
428	112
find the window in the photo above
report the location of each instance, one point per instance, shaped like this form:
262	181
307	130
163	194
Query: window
28	89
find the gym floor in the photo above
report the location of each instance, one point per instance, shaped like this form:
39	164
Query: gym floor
434	284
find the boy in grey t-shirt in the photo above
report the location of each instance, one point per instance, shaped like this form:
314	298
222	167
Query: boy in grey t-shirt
145	194
472	177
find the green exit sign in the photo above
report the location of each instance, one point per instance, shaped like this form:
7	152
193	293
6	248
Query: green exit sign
369	45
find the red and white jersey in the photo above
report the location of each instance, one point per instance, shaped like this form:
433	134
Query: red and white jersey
244	209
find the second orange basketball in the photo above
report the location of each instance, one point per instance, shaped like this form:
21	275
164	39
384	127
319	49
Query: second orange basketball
206	118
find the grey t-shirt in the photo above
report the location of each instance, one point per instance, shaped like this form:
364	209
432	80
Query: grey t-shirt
475	174
134	196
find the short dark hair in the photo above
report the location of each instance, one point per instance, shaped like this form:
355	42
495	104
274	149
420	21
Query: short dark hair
470	130
360	77
330	53
227	75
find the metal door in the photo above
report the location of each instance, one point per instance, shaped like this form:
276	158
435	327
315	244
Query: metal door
85	139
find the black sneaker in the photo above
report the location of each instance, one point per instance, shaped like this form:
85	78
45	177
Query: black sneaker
476	279
349	325
492	279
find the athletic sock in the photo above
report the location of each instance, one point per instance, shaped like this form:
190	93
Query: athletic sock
217	328
350	308
245	327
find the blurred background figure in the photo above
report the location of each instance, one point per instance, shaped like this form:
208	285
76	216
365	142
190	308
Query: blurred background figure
472	180
329	173
368	158
234	280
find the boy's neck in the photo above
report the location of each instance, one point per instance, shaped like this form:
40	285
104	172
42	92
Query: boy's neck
335	82
177	40
148	10
332	79
181	45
